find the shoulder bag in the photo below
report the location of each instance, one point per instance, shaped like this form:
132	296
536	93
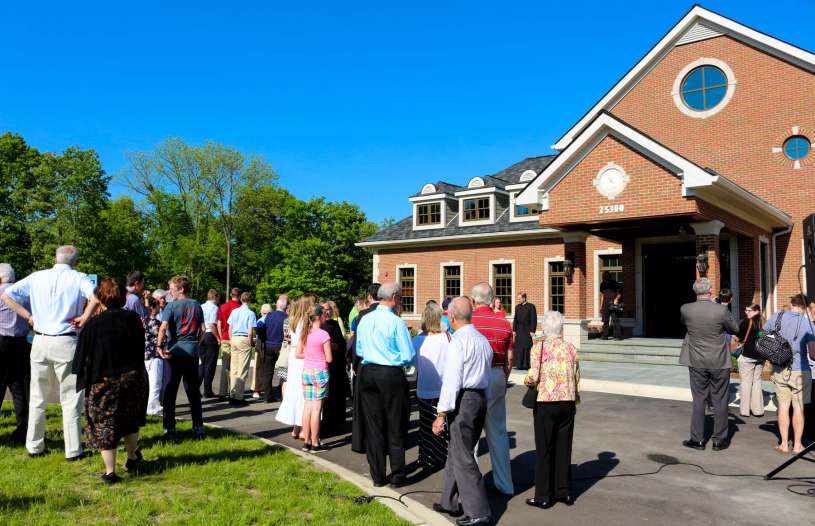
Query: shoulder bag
774	347
736	352
531	396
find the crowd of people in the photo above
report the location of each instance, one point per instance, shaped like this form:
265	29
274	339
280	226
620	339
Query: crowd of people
121	353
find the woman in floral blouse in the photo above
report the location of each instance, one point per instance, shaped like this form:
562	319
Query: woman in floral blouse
152	362
555	374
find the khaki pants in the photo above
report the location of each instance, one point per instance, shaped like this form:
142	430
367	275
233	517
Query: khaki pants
239	366
223	382
51	361
751	395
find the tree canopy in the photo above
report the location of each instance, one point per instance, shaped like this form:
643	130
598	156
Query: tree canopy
209	212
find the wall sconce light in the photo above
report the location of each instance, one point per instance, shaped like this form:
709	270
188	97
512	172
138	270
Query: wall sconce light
702	263
568	265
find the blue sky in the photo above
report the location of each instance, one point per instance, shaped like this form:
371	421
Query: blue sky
356	101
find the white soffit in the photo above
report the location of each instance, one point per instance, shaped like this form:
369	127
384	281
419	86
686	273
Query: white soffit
686	28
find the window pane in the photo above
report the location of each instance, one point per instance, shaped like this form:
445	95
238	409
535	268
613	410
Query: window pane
452	281
694	100
407	280
477	209
797	147
502	284
428	214
714	96
613	264
557	287
693	80
714	77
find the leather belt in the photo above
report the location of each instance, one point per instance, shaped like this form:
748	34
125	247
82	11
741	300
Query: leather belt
55	335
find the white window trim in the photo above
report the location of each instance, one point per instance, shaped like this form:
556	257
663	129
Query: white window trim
415	284
676	92
546	261
440	224
491	220
494	262
513	218
375	264
423	198
597	253
443	264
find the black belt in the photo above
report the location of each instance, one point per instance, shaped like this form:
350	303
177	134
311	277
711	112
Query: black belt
479	391
55	335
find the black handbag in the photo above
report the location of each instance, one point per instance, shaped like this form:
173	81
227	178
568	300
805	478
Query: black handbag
774	347
531	396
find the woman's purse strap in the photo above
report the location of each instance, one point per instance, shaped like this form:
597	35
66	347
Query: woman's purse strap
540	364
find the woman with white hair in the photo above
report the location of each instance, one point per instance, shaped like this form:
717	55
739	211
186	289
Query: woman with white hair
554	374
431	348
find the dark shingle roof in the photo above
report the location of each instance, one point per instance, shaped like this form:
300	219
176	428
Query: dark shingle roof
403	230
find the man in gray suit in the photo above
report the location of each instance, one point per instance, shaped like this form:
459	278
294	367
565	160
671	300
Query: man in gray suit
705	353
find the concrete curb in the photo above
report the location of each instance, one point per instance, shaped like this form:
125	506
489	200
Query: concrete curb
413	511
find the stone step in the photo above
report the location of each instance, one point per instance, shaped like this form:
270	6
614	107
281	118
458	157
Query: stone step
669	343
588	348
628	358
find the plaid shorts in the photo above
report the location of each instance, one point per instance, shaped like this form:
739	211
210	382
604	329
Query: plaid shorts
315	384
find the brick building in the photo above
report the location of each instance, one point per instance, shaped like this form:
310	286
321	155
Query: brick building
700	153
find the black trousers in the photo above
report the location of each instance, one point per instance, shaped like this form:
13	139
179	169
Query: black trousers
520	352
554	429
711	385
386	408
610	318
809	417
209	362
15	374
269	359
183	367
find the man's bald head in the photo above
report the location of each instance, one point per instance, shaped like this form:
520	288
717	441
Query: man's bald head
460	310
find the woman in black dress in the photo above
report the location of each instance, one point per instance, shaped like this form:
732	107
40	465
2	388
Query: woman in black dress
339	388
109	365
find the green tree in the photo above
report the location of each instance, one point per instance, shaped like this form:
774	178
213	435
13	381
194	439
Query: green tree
18	162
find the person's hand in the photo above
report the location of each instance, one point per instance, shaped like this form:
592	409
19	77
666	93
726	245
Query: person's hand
79	321
438	425
30	321
165	355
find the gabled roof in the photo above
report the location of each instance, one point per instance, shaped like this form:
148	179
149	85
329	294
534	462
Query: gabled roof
442	188
697	181
699	23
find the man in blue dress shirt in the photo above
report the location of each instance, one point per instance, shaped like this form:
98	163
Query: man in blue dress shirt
385	348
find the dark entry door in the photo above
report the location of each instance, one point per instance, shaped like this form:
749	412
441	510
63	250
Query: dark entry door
668	272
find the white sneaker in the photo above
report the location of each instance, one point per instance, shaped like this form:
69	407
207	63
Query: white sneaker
256	395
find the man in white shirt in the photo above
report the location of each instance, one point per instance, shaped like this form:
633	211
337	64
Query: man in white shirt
211	343
463	406
58	297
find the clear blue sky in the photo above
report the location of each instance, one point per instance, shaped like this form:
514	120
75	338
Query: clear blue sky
356	101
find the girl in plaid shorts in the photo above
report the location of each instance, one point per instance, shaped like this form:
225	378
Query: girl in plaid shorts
315	350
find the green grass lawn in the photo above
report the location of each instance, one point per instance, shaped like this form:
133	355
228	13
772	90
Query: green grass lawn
226	479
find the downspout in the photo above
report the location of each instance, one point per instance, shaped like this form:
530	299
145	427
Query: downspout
774	264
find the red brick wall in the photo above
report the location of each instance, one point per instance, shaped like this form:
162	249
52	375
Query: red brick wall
651	190
770	97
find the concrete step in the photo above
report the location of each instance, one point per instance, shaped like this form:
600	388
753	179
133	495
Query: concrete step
624	349
643	359
670	343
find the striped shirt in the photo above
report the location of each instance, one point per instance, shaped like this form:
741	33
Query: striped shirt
496	330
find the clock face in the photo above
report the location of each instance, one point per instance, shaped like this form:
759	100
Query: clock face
611	181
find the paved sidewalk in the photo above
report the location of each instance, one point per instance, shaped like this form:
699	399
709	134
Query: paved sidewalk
614	435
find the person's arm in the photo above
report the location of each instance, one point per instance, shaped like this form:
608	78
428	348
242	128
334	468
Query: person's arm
533	375
18	309
451	384
533	322
730	324
327	351
160	341
404	343
301	345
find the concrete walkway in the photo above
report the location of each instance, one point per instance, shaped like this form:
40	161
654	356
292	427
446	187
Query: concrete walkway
615	435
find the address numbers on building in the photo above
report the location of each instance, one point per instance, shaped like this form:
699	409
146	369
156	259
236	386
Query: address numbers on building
610	209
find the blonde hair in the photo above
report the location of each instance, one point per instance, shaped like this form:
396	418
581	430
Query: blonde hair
431	317
300	311
335	312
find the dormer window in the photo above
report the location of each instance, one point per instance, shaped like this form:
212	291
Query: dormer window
477	209
521	212
428	214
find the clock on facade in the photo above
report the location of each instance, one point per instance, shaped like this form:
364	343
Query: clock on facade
611	180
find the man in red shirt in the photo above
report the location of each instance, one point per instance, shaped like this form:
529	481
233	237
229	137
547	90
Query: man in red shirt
498	332
223	315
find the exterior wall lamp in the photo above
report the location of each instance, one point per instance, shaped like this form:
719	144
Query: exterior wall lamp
568	265
702	264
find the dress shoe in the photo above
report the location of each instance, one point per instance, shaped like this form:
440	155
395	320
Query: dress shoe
134	464
542	504
379	484
398	483
567	500
84	454
720	445
111	478
474	521
694	444
438	508
210	394
234	402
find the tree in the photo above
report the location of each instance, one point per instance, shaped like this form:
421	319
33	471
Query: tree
18	162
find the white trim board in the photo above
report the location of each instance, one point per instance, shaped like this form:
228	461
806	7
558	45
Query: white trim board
503	261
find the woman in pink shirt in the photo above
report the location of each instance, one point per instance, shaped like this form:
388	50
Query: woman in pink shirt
315	349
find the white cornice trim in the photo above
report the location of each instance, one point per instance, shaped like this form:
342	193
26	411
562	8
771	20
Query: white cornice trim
464	238
696	15
480	191
430	197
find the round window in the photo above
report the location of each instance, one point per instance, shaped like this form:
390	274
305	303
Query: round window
796	147
704	88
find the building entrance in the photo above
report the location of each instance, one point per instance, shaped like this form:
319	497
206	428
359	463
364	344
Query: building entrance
668	272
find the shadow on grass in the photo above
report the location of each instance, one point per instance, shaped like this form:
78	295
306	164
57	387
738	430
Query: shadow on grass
19	503
167	462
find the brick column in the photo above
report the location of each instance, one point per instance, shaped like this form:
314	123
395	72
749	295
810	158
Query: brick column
576	306
707	242
749	270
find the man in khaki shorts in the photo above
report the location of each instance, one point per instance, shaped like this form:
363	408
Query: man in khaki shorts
793	384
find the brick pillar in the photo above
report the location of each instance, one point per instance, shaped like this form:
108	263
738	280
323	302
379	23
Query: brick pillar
707	242
576	306
749	271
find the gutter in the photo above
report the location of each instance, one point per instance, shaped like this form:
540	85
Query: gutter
774	264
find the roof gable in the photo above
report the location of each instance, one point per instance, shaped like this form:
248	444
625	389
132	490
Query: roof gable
698	24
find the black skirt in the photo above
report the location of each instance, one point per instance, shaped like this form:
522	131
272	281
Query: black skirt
432	448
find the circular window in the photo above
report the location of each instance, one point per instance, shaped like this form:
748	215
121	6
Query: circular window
704	88
796	147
